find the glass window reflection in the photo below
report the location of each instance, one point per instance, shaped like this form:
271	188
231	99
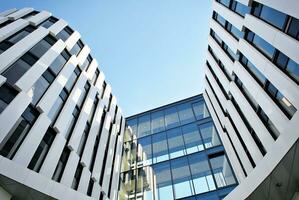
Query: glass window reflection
160	150
222	171
157	122
162	178
200	110
209	135
144	125
185	113
175	143
201	173
144	151
182	182
171	118
192	138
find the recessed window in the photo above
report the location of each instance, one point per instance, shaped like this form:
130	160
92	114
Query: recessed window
49	22
64	34
7	94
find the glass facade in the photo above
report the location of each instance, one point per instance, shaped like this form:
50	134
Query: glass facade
174	152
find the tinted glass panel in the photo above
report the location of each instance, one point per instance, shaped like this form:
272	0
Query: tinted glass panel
185	113
222	171
192	138
171	118
264	46
273	17
163	181
144	151
160	150
181	178
209	135
38	89
157	121
175	143
144	125
201	173
294	28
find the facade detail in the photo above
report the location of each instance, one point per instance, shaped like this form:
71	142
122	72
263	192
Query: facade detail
174	152
61	130
252	93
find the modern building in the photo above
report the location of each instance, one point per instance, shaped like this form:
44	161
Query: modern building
60	127
174	152
252	93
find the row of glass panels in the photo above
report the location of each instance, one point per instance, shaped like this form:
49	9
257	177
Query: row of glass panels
182	177
169	144
168	118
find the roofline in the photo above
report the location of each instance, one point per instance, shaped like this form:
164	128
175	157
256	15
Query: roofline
153	109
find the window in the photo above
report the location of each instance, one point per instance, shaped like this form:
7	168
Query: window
160	149
72	80
7	94
289	66
144	125
22	65
185	113
236	33
87	62
83	139
192	138
77	177
253	70
61	164
240	8
163	181
5	23
42	150
266	48
293	29
157	119
222	171
201	173
49	22
56	108
270	15
171	118
175	143
65	33
18	36
144	155
77	48
95	77
209	135
133	124
144	183
286	105
38	89
59	62
182	182
16	135
200	110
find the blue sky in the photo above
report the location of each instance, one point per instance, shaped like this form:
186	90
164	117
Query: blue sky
151	51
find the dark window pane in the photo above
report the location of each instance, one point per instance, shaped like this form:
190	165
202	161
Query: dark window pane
64	34
49	22
7	94
41	47
17	70
294	28
264	46
20	35
57	64
293	69
38	89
